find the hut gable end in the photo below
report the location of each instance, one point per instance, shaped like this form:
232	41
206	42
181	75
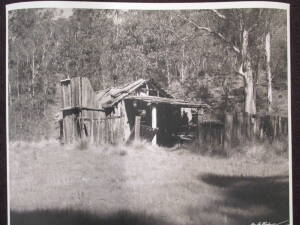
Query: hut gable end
110	97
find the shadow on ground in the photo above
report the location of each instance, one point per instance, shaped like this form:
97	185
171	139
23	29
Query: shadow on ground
249	199
74	217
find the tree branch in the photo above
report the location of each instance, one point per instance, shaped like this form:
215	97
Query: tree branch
178	36
241	73
216	34
218	14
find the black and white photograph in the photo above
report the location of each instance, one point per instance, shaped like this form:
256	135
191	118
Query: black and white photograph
148	113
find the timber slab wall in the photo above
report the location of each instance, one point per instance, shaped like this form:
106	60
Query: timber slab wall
83	119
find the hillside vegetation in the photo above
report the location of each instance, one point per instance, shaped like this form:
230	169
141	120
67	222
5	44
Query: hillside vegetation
194	55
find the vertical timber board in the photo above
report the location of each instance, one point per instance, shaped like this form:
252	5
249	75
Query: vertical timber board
76	92
95	130
97	133
113	123
137	128
105	131
74	126
228	131
68	129
122	129
239	127
73	91
70	94
109	131
110	136
112	131
92	126
200	129
115	129
71	127
100	130
64	130
154	122
112	141
248	125
67	96
221	135
279	126
95	126
69	132
87	93
258	126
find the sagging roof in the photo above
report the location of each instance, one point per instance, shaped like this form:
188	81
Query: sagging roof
109	97
171	101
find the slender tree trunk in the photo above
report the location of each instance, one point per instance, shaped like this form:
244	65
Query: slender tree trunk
249	94
182	64
33	75
18	85
32	85
204	64
268	68
247	71
45	95
168	68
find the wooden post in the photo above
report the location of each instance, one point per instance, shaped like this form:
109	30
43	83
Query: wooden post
92	127
154	123
137	128
239	128
199	130
248	126
228	131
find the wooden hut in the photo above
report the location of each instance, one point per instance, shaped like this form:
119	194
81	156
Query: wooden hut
140	110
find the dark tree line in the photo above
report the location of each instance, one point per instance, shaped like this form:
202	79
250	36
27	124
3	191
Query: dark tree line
222	57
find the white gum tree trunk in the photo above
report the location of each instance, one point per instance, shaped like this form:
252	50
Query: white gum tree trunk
246	71
268	69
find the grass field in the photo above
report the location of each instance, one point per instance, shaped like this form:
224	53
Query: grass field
52	184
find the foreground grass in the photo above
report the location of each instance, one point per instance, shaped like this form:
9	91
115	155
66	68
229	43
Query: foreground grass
142	184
